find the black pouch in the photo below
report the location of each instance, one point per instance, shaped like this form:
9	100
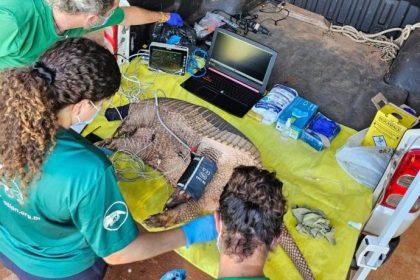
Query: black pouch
197	176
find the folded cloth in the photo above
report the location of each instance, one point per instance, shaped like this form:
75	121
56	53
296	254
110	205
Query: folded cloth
313	222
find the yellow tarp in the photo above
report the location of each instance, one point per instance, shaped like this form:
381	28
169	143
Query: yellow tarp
310	178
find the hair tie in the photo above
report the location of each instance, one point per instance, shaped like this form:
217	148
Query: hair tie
44	72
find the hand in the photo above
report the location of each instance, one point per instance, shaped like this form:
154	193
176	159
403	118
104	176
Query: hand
175	20
200	230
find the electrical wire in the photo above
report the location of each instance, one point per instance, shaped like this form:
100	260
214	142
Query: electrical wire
274	7
126	162
165	126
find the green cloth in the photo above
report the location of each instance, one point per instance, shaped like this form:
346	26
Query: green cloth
28	30
313	222
72	214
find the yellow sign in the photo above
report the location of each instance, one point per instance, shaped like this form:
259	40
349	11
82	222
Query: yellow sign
389	126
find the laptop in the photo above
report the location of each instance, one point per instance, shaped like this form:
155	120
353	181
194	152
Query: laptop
237	73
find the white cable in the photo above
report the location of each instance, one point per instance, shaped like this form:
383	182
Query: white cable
164	125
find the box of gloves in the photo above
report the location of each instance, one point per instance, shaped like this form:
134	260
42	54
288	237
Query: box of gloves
295	117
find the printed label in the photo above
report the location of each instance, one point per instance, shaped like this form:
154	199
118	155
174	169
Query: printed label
379	141
115	216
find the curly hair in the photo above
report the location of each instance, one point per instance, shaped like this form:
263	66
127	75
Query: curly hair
251	209
99	7
82	70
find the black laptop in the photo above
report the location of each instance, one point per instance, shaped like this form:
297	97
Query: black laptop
237	73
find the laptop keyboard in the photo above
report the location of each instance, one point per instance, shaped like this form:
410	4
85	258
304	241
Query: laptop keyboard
228	88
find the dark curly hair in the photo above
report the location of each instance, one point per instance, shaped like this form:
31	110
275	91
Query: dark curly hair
251	209
79	69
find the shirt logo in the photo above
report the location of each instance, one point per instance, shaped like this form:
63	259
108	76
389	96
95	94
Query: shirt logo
115	216
13	191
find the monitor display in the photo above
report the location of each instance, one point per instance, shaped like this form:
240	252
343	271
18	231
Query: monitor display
169	61
241	57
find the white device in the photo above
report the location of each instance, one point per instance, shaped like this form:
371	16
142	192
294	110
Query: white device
167	58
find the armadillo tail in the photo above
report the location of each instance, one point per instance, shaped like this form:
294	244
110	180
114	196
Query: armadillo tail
292	250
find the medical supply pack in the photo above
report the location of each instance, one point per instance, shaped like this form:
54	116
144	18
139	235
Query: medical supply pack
295	117
270	106
389	125
320	132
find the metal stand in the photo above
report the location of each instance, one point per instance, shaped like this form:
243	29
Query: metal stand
372	251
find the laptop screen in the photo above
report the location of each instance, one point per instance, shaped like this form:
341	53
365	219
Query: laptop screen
241	57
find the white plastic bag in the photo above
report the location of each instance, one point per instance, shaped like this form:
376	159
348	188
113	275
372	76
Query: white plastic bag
365	164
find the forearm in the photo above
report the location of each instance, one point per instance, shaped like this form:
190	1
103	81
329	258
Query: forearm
148	245
137	16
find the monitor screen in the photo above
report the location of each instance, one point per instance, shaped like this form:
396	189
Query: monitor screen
241	57
169	61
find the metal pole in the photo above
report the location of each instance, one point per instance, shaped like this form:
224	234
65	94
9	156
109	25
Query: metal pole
394	223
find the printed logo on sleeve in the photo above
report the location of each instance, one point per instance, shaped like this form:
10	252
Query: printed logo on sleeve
115	216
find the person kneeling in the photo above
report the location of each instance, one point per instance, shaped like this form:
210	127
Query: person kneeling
248	222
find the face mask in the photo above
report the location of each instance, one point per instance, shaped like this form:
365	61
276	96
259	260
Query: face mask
80	125
219	240
102	21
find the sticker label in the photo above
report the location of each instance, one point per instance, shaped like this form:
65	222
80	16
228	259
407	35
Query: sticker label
379	141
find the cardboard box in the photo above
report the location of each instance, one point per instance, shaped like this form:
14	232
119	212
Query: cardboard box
389	125
295	117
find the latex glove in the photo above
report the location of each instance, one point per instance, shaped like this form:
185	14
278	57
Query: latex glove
175	20
200	230
176	274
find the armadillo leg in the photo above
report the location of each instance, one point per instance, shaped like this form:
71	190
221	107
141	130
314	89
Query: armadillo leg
179	214
289	246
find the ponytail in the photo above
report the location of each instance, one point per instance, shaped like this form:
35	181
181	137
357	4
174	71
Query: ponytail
28	124
72	70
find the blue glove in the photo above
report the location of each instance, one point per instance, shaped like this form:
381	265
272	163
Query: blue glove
200	230
175	20
176	274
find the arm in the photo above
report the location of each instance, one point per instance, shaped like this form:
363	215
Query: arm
137	16
148	245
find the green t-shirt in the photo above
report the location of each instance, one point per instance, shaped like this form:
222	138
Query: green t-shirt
72	214
28	30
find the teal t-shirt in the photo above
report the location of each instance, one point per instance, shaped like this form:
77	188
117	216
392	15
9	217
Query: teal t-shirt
28	30
72	214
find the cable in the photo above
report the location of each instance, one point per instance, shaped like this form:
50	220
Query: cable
164	125
245	23
273	7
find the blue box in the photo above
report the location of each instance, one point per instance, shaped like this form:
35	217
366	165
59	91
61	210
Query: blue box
296	116
320	132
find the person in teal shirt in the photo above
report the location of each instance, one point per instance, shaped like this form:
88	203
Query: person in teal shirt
61	212
30	27
248	222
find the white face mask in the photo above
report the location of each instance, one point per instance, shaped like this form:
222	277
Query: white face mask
219	239
80	125
102	21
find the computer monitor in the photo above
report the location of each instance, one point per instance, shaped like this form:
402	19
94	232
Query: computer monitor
242	58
